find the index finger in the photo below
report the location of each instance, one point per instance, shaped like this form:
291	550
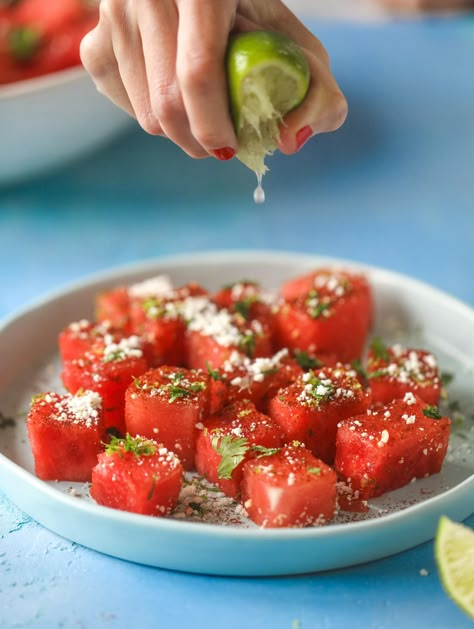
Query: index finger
204	27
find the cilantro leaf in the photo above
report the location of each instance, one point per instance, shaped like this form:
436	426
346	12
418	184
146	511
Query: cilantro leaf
432	412
176	392
305	361
243	306
139	446
378	373
263	451
316	311
446	378
247	344
232	450
214	373
357	367
154	307
118	354
380	350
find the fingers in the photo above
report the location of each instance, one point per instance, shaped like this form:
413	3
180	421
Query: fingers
202	41
158	24
103	67
428	5
324	109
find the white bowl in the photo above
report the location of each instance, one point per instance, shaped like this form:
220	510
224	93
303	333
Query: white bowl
47	121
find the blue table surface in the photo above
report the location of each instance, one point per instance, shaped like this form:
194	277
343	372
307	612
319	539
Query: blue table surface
394	188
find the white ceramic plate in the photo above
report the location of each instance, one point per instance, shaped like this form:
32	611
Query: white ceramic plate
406	310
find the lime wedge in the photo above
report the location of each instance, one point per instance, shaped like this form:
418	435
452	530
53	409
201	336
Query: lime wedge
268	76
454	552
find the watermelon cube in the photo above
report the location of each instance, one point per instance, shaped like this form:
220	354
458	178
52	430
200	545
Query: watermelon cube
113	307
65	433
138	475
326	314
157	315
165	404
107	369
394	371
258	379
382	450
290	488
214	334
228	439
309	410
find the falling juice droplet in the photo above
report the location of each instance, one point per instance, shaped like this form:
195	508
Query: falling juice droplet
259	192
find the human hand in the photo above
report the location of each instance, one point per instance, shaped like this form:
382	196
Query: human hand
162	61
428	5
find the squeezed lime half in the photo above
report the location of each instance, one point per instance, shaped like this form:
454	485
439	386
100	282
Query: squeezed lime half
454	552
268	76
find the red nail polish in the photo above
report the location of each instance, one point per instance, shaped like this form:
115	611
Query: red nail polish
224	154
303	136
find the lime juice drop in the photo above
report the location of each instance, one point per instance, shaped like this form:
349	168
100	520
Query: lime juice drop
259	192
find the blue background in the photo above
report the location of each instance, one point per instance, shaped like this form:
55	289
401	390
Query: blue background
393	188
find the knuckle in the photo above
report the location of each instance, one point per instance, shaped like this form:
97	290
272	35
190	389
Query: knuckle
208	137
197	71
148	122
110	11
94	59
166	102
339	109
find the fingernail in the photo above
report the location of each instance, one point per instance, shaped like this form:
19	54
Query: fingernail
303	136
224	154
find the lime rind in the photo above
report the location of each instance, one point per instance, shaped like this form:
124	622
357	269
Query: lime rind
454	553
268	76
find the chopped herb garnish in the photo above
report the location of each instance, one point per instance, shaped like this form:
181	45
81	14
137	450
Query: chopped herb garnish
313	470
214	373
378	373
432	412
357	367
263	451
380	350
243	306
177	376
176	392
316	311
446	378
154	308
232	451
305	361
315	307
142	385
247	344
118	354
139	446
319	391
24	42
38	397
245	412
